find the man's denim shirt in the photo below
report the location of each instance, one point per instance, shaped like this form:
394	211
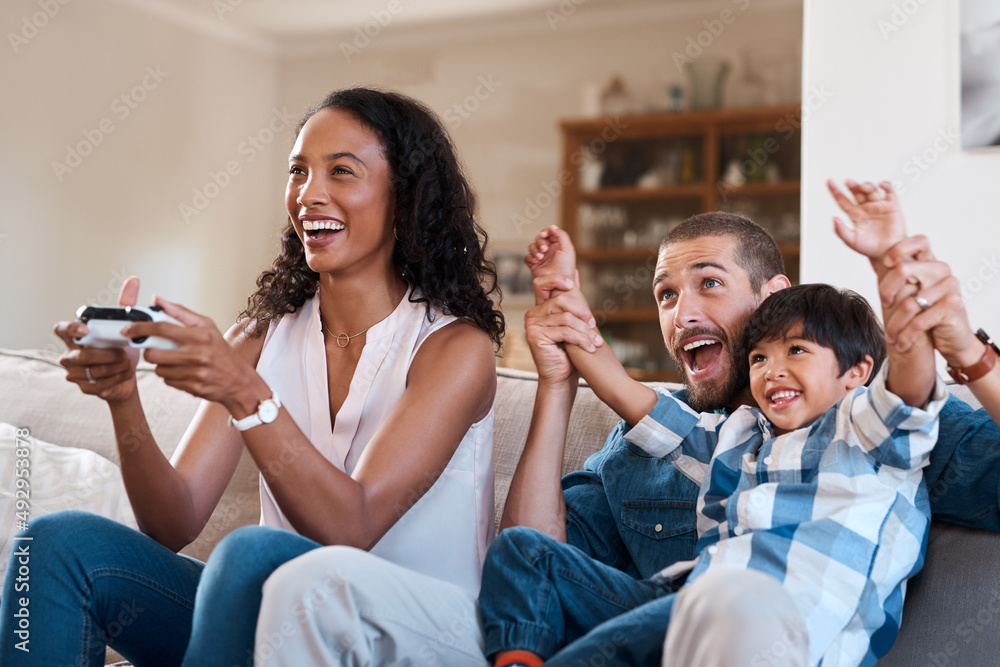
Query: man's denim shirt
637	513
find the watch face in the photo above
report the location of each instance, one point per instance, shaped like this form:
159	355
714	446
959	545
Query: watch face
268	411
985	337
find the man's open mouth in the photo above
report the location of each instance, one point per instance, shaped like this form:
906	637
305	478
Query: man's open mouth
702	353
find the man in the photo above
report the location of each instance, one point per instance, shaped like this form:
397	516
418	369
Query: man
637	513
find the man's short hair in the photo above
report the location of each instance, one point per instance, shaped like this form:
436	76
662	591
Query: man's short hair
756	252
838	319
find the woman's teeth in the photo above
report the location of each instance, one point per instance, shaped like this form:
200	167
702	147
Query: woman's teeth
316	225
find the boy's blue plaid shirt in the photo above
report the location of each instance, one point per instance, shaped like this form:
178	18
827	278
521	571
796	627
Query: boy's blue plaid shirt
836	510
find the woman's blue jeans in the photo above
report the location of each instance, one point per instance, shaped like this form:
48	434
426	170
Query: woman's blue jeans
90	581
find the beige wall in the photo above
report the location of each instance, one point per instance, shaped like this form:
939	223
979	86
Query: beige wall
68	241
509	137
892	82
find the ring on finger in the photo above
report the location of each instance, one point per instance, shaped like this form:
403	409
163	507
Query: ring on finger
921	301
90	378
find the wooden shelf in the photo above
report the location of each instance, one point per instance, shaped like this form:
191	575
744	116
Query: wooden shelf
761	189
643	194
685	122
789	249
634	145
626	315
615	254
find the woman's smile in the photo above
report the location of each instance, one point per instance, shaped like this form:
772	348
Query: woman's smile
320	231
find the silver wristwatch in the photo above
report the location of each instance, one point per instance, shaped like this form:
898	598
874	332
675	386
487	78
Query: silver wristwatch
267	412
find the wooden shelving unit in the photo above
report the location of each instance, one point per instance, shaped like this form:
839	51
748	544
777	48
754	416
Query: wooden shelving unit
617	225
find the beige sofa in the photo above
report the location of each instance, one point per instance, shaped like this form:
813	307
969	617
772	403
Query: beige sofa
952	614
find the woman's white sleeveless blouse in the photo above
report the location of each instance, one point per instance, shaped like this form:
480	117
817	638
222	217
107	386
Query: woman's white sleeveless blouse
446	533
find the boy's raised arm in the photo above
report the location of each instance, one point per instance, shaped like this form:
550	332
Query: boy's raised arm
630	399
877	226
552	255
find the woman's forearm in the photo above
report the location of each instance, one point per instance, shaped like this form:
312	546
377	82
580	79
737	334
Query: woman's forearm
159	496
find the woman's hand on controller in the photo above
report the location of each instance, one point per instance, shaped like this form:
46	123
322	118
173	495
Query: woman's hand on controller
106	373
203	364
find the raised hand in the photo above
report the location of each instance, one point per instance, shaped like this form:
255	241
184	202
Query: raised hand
551	254
876	216
913	273
106	373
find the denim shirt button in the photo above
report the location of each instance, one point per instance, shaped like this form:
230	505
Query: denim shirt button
713	550
738	530
767	461
658	527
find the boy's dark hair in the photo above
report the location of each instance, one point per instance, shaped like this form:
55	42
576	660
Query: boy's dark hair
841	320
756	252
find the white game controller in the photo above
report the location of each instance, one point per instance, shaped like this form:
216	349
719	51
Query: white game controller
104	324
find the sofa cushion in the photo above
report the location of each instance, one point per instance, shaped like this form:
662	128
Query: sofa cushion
54	478
34	394
952	612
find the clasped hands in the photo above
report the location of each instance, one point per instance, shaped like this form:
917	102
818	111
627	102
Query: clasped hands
561	314
924	295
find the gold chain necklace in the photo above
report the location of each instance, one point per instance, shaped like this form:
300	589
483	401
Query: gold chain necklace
343	340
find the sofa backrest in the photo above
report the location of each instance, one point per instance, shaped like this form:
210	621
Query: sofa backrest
590	423
34	394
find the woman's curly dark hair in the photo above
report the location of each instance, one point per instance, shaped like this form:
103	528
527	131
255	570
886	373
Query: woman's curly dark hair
440	249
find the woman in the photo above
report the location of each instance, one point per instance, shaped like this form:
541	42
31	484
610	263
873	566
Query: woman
361	372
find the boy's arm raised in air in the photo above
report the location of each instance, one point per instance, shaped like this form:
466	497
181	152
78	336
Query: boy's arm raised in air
877	226
551	257
630	399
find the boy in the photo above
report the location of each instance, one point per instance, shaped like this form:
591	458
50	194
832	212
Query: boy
822	493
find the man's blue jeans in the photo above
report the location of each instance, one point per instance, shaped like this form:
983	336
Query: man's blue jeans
90	581
552	599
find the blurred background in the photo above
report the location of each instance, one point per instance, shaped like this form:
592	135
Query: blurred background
150	137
